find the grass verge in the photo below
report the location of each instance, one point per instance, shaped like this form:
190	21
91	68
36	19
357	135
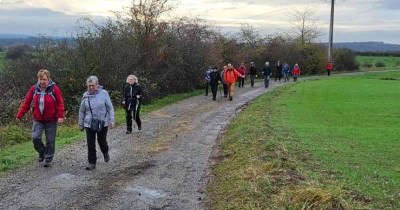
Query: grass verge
17	149
324	144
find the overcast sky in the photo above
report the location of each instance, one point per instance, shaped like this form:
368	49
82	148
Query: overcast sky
355	20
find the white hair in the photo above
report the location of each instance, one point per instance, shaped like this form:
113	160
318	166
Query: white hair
92	79
267	63
135	79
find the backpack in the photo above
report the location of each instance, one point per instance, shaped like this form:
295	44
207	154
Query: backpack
49	92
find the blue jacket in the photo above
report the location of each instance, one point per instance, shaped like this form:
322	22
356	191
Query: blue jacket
100	103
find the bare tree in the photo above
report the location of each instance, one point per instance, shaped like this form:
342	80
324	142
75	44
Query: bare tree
305	27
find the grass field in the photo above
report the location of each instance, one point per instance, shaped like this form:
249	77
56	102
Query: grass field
2	61
20	153
323	144
390	62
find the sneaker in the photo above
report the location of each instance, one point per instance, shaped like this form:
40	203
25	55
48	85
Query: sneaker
106	157
128	132
41	157
47	163
91	166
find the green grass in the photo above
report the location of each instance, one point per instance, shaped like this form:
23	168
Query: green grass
390	62
18	153
316	144
2	61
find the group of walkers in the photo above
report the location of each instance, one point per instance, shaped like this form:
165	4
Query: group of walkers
228	76
96	111
96	114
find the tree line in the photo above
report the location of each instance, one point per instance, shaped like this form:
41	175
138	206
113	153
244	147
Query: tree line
167	57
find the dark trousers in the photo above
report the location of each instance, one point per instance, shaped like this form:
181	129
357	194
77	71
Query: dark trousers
266	81
252	77
206	84
91	143
241	82
329	72
278	76
50	130
133	115
214	89
225	87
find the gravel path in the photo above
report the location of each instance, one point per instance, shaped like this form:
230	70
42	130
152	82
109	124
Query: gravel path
164	166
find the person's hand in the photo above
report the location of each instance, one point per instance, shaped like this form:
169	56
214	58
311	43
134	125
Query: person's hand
137	96
256	76
123	102
60	120
112	125
18	119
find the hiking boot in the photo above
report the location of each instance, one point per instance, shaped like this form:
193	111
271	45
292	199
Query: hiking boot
106	157
91	166
47	163
230	98
128	132
41	157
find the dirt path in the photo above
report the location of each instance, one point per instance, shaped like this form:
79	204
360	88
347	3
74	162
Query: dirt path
164	166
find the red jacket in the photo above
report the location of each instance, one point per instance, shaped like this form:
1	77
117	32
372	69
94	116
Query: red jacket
242	70
328	66
53	107
231	75
296	71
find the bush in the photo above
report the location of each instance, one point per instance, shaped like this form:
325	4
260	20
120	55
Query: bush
367	65
380	64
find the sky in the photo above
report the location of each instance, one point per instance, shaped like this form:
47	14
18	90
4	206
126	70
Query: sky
355	20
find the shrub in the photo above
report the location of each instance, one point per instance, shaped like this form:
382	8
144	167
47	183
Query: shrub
380	64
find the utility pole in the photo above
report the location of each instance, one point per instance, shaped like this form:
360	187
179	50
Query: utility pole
331	32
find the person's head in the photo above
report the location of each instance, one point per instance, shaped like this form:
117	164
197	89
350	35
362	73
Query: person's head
230	66
92	83
131	79
267	63
225	67
242	64
279	62
43	76
252	63
296	65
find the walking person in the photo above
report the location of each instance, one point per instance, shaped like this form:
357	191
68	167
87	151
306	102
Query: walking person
242	70
278	71
285	71
96	114
215	79
253	73
329	68
230	77
267	72
132	95
225	86
296	72
47	112
207	79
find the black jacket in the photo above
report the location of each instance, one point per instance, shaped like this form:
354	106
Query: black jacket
129	95
215	76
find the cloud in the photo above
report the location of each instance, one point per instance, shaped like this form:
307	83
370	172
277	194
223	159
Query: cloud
391	4
39	21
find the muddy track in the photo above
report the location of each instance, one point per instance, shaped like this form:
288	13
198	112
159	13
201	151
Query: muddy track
164	166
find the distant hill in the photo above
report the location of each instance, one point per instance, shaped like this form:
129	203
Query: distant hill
368	46
13	39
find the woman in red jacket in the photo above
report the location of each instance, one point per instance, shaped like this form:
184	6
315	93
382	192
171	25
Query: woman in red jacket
230	77
47	111
296	72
